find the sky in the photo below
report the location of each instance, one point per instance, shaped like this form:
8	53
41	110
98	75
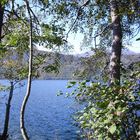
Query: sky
76	39
135	47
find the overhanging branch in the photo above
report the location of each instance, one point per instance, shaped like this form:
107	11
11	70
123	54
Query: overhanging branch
78	14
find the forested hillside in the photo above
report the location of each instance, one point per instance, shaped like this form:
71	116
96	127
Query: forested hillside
75	67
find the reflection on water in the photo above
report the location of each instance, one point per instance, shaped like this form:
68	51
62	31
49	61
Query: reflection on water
48	117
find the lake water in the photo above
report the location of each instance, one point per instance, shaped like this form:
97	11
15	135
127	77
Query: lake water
48	117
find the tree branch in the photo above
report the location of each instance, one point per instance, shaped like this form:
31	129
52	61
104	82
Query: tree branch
78	14
105	28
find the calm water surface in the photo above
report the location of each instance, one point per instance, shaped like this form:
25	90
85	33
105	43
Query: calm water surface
48	117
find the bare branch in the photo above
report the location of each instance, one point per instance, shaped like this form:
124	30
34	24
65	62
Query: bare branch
108	26
35	17
78	14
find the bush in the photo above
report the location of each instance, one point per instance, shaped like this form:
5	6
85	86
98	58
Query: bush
110	110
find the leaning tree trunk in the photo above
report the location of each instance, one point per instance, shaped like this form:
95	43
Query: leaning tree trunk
116	44
22	111
7	114
1	19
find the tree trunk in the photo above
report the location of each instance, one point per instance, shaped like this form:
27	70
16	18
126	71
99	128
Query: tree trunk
24	103
1	19
116	44
7	114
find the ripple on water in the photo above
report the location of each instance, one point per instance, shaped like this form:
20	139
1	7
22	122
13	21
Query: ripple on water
48	117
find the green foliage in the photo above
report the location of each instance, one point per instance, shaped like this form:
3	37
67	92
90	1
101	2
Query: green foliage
3	88
71	84
13	66
4	2
16	38
95	66
51	68
51	37
92	17
110	110
54	67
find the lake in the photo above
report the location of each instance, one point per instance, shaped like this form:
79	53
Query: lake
48	117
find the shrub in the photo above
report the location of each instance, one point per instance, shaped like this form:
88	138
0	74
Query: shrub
110	111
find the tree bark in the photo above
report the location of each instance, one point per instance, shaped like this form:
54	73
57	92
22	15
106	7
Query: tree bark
116	44
24	103
1	19
7	114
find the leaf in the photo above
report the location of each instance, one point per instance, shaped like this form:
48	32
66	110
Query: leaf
72	82
69	86
112	129
138	39
59	93
107	121
100	137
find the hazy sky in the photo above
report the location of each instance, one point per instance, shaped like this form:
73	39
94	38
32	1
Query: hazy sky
76	39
